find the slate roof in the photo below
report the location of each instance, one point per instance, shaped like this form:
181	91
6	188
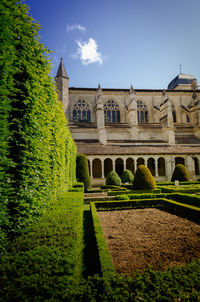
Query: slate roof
100	149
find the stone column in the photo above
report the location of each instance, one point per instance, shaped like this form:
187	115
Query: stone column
91	171
168	168
156	167
102	168
190	166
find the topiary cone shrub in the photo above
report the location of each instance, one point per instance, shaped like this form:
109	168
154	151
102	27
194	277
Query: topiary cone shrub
127	176
113	179
143	179
82	170
180	173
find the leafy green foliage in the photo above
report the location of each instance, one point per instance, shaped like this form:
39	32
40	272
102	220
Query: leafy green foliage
82	170
122	197
180	173
143	179
113	179
37	153
127	176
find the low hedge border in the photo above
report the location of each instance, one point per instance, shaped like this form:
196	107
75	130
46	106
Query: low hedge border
106	265
181	209
114	193
110	187
180	190
181	183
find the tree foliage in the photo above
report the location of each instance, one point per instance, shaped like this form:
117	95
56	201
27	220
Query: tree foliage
143	179
180	173
35	141
82	170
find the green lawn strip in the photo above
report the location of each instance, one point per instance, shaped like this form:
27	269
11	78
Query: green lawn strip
47	261
106	265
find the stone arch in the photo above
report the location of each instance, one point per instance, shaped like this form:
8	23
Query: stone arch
130	164
96	168
161	167
81	111
119	166
196	165
179	160
140	161
108	166
151	165
111	112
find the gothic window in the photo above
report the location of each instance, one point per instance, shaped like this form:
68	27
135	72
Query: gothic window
111	112
142	113
81	112
173	114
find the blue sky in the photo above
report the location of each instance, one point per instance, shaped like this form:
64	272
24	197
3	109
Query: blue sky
118	43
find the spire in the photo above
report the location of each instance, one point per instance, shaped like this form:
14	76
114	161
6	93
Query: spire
61	70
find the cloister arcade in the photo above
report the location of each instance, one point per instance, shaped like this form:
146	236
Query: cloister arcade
161	167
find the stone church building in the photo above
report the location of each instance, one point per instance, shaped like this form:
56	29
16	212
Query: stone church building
120	129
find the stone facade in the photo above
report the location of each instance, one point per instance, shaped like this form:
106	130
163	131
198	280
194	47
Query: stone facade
122	128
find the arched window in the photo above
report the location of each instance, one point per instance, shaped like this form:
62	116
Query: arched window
81	112
142	113
111	112
173	114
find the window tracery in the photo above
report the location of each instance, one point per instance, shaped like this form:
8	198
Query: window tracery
111	112
142	113
81	112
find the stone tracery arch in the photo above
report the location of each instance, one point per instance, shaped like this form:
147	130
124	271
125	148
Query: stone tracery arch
81	111
142	113
111	112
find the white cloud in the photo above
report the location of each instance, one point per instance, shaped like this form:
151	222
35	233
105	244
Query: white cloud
79	27
88	52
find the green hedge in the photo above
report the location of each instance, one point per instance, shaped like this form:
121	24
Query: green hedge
37	153
47	261
143	179
180	173
106	265
113	179
181	189
113	193
82	171
112	187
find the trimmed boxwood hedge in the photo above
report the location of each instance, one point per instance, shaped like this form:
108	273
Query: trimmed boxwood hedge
127	176
180	173
143	179
113	179
47	261
82	170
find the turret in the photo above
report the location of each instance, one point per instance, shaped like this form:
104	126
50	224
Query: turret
62	80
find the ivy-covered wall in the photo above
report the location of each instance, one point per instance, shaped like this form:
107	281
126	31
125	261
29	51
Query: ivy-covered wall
37	153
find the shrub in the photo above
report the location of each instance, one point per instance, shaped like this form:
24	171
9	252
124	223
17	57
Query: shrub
113	179
180	173
82	170
127	176
143	179
122	197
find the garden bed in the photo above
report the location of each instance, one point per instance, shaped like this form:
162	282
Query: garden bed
141	237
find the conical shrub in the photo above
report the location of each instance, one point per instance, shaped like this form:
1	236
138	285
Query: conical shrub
143	179
82	170
180	173
113	179
127	176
